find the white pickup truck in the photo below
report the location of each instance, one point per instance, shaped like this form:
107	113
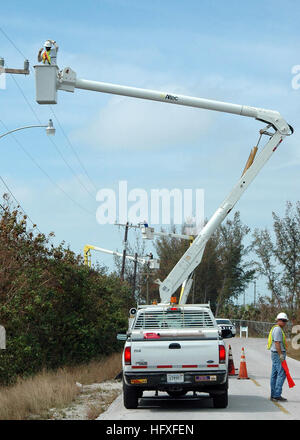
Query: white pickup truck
174	348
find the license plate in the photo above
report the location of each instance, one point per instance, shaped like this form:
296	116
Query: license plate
175	378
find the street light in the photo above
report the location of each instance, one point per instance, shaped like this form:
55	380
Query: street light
50	130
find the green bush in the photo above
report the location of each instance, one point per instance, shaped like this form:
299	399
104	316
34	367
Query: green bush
56	311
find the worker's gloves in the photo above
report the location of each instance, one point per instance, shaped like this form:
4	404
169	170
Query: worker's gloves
282	357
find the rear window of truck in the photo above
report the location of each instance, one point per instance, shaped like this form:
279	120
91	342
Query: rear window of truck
165	319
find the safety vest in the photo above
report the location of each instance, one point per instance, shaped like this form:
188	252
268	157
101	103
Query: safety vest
270	337
46	56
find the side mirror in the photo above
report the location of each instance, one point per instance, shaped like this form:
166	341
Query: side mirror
226	334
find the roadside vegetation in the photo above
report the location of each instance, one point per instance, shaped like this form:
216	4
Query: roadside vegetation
36	396
57	312
278	260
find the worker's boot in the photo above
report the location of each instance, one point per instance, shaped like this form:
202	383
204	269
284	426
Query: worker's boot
280	399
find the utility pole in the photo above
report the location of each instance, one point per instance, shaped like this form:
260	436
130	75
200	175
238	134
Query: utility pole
146	274
134	272
147	261
147	286
254	293
124	252
127	226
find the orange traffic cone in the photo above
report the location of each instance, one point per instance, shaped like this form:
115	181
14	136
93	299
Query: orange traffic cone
231	369
243	368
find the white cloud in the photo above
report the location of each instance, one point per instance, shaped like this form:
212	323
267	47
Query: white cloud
126	123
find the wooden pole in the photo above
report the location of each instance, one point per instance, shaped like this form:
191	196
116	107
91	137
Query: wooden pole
124	251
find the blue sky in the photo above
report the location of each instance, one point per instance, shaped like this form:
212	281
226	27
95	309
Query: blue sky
240	52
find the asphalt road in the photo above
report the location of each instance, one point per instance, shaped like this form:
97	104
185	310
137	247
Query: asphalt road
248	399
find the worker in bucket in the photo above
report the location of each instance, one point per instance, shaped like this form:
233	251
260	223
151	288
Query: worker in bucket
277	345
50	53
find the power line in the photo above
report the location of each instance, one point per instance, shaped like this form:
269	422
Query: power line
25	98
73	149
19	204
32	158
50	139
6	36
45	172
60	125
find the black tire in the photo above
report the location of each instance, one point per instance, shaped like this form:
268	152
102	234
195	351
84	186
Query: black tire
220	401
130	397
177	393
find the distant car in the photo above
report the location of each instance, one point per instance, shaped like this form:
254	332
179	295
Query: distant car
226	324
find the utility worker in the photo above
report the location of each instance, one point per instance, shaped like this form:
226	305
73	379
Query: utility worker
50	53
277	345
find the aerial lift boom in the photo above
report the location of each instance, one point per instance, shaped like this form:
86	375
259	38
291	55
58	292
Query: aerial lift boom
148	234
152	262
49	79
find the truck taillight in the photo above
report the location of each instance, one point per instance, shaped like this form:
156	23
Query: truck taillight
127	356
222	354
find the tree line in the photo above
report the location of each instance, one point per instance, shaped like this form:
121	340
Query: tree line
56	310
233	258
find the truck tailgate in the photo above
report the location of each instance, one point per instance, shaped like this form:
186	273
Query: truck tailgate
176	354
